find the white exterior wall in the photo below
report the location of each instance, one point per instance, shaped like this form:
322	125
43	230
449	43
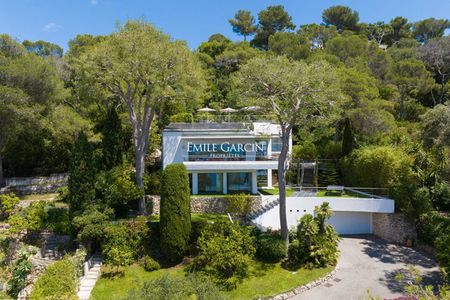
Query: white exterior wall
362	208
175	150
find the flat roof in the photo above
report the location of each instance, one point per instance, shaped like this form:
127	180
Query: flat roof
207	126
252	128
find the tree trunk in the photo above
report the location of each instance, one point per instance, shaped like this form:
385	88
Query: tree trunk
442	92
282	186
140	168
2	179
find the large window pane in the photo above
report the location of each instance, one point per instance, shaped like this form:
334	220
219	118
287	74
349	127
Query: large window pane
210	183
276	144
239	182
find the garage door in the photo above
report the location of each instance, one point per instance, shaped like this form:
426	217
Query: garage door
351	222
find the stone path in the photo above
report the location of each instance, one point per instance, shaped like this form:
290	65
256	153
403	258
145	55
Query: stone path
88	281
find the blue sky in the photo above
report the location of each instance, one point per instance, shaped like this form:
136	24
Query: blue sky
58	21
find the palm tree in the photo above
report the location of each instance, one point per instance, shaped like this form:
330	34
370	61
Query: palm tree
323	213
307	229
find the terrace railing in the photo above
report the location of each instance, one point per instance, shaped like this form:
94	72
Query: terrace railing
356	192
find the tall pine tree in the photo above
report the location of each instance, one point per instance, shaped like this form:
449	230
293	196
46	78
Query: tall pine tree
113	140
82	175
347	139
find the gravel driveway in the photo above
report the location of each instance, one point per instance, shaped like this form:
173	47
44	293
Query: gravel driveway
368	262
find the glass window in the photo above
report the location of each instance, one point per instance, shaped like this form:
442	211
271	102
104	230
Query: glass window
239	182
276	144
261	176
210	183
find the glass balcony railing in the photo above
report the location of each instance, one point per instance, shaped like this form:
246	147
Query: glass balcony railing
228	157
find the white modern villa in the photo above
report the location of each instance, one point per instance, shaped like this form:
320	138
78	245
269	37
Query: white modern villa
224	158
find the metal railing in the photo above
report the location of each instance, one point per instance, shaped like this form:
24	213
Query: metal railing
228	157
354	192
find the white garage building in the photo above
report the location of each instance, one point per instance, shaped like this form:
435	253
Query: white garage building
350	215
224	158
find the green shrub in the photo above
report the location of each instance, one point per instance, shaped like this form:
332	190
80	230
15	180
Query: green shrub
152	183
317	242
182	117
331	150
18	278
225	252
240	204
78	260
59	281
196	230
117	188
124	242
20	268
442	244
149	264
429	226
30	218
378	166
175	215
382	167
270	247
169	287
90	225
441	196
7	204
328	176
306	150
57	220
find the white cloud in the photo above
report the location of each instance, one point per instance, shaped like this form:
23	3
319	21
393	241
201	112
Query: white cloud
50	27
94	2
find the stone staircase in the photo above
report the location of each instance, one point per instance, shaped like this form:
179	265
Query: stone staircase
49	249
91	274
269	204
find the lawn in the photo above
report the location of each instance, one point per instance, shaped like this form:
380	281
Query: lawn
118	288
324	193
40	197
271	279
264	280
276	191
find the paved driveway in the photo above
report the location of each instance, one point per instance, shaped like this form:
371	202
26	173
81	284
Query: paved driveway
367	262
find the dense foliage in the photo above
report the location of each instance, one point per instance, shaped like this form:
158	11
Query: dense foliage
270	247
59	281
125	242
225	252
175	219
372	99
315	242
168	287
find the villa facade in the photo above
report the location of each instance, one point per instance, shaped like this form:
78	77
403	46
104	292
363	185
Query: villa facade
224	158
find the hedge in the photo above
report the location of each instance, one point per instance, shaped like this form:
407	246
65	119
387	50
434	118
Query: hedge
59	281
175	215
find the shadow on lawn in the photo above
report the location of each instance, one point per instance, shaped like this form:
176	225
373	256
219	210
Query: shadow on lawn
261	268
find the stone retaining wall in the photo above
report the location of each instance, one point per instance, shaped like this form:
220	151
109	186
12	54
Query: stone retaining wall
394	228
35	185
210	205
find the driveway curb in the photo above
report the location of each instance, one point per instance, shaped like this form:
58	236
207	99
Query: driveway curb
306	287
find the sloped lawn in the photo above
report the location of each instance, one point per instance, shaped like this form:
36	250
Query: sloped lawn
264	280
